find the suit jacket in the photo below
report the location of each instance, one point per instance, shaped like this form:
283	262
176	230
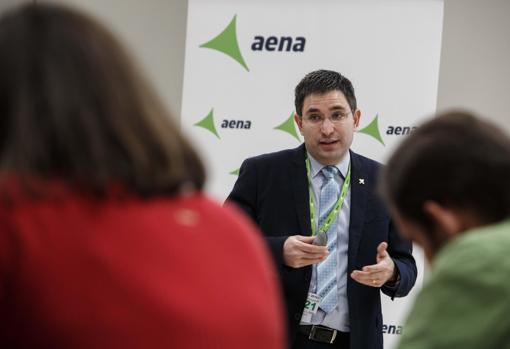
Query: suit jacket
273	190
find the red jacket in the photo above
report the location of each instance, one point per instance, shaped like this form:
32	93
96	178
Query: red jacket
161	273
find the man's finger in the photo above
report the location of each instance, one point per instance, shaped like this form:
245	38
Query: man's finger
308	261
381	250
373	268
368	275
308	248
313	259
373	280
305	239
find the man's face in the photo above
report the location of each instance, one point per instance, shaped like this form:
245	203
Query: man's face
327	124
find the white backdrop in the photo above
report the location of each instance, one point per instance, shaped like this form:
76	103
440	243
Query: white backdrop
236	95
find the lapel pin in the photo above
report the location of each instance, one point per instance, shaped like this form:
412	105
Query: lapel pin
362	181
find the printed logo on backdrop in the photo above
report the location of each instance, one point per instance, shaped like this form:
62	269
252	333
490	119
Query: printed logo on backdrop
280	44
228	43
373	130
208	124
392	329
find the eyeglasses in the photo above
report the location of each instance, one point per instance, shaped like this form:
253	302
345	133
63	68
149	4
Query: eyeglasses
336	118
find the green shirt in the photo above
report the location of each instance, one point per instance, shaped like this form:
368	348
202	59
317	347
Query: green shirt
466	301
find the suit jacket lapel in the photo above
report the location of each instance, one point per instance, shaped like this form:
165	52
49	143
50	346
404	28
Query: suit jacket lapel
358	207
299	183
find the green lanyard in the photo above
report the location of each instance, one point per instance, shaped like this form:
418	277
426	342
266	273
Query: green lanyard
338	205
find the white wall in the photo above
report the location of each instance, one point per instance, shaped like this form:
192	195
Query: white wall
475	58
155	31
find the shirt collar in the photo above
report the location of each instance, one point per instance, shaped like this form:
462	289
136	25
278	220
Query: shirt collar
342	165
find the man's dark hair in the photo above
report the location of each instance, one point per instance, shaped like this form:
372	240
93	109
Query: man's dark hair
320	82
74	108
457	160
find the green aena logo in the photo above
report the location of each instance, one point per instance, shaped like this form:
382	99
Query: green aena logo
226	42
208	123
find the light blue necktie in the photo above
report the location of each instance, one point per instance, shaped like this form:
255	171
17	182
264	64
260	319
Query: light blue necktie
327	269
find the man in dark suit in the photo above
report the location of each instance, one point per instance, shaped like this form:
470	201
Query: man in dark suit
331	238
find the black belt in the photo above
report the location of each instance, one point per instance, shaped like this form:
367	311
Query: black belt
322	334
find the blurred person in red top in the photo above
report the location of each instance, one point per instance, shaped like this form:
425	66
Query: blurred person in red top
106	240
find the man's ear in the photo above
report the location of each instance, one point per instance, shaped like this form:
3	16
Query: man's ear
299	122
447	220
357	116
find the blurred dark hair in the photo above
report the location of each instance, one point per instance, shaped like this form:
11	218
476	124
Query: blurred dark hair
74	108
457	160
320	82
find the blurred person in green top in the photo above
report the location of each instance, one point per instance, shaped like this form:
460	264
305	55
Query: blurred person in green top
448	188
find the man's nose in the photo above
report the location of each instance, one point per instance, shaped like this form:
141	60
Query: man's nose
327	126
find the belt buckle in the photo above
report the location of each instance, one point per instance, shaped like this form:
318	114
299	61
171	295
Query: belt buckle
314	328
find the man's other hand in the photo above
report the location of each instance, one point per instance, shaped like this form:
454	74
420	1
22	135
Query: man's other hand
298	251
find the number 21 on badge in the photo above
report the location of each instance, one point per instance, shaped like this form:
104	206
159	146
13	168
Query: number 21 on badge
311	307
